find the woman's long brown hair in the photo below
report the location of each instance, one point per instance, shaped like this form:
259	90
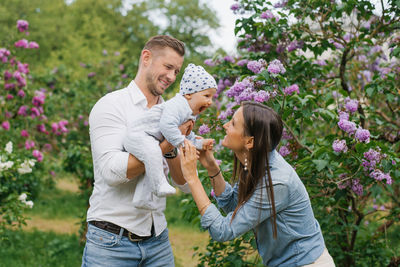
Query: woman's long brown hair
265	125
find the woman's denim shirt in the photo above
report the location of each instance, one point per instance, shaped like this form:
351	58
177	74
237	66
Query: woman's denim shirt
299	240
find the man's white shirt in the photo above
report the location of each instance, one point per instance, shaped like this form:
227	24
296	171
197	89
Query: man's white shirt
111	199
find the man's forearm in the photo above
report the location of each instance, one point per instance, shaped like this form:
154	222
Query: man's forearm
175	170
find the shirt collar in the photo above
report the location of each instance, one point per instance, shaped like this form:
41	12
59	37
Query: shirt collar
137	96
272	157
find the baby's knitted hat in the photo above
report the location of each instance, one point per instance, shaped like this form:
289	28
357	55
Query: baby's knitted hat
196	79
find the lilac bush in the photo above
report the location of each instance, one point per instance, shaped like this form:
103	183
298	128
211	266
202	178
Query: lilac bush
331	70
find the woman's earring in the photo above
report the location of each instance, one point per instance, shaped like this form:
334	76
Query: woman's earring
245	163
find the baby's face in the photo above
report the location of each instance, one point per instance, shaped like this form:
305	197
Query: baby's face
199	101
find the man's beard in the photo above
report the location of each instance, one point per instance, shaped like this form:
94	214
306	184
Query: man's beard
151	85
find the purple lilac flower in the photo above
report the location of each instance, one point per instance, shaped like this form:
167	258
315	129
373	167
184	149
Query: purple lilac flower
343	184
235	6
267	15
229	59
35	112
23	67
256	66
339	146
4	54
246	95
221	86
286	135
22	43
227	83
347	126
38	99
291	89
105	53
362	135
320	62
91	74
238	87
351	105
348	36
282	3
276	67
284	151
280	48
22	111
5	125
357	187
343	115
380	176
33	45
29	144
371	159
38	155
292	46
22	25
41	128
9	86
24	133
368	75
204	129
242	62
48	147
262	96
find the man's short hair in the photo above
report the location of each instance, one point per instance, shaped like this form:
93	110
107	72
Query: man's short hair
162	41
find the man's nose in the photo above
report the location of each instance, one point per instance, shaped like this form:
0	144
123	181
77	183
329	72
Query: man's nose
171	76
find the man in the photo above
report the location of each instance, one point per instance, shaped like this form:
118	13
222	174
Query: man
118	233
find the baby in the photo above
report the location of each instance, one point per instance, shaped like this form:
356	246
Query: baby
162	121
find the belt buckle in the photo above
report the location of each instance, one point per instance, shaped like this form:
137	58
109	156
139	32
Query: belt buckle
130	236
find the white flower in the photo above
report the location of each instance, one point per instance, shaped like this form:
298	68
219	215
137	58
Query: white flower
31	162
22	197
6	165
29	203
26	167
9	147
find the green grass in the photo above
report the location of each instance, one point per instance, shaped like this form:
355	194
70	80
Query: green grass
40	249
58	204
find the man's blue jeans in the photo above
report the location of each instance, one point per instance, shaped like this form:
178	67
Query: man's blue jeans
107	249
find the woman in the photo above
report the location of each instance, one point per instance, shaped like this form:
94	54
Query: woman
280	216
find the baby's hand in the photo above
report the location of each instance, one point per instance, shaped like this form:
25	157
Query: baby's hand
208	144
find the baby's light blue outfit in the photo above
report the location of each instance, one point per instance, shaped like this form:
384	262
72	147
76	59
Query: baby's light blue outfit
163	120
299	241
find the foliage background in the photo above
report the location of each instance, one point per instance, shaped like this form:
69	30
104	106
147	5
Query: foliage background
335	52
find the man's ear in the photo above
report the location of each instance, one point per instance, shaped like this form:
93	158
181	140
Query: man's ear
249	142
146	57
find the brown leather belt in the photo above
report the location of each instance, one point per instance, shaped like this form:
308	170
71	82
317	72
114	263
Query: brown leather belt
115	229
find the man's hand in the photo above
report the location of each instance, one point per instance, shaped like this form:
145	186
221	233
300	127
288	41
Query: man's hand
186	127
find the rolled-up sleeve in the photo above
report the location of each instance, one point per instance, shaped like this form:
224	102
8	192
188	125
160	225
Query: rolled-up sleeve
107	130
253	212
227	200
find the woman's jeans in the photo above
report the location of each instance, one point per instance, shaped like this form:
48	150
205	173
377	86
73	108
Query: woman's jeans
107	249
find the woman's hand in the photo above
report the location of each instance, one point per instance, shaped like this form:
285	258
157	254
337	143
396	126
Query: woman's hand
188	156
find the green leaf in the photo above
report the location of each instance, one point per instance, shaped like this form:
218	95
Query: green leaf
320	163
370	91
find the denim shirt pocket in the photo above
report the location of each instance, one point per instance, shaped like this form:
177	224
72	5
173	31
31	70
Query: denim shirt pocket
102	238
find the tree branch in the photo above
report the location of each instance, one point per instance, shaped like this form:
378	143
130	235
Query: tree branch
295	138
